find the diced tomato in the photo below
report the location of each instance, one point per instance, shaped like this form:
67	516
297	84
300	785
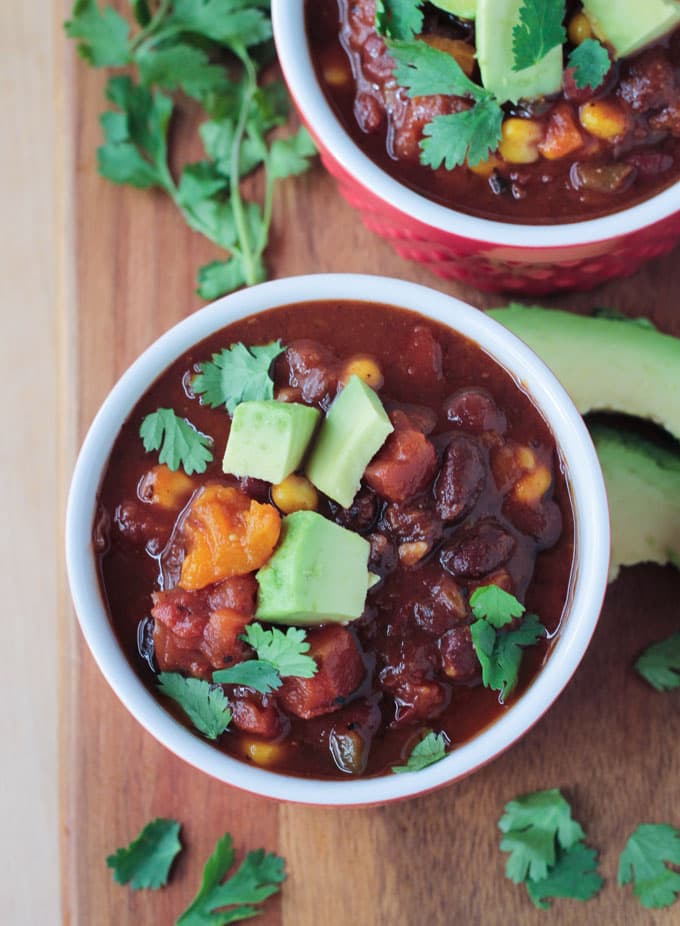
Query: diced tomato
406	463
257	714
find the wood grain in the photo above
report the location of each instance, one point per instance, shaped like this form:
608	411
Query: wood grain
610	742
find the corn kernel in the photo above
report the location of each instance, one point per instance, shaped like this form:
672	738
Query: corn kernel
604	119
295	493
365	368
520	142
579	29
531	488
486	168
263	753
526	457
412	553
165	488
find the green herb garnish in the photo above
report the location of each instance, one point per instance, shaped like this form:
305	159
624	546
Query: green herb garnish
539	30
279	655
179	442
146	862
219	902
644	861
239	374
660	664
495	605
204	704
591	63
180	46
253	673
458	137
574	876
399	19
430	749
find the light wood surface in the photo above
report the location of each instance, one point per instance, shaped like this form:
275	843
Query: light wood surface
610	742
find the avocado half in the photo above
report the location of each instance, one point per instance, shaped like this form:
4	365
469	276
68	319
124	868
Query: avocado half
615	364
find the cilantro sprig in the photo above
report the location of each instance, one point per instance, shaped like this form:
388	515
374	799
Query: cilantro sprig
399	19
204	704
430	749
660	664
179	442
546	849
591	63
644	861
279	655
454	139
147	861
539	30
500	654
178	47
239	374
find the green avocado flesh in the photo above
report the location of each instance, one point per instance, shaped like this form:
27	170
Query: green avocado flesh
466	9
605	364
629	25
495	22
352	432
269	439
643	486
318	574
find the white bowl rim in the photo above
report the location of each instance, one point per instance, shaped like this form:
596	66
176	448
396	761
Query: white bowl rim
298	69
588	500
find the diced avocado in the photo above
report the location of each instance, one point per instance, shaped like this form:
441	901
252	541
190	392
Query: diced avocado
351	434
268	439
466	9
629	25
318	574
496	20
643	485
605	364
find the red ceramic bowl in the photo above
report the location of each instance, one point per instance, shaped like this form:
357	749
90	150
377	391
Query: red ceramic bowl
485	254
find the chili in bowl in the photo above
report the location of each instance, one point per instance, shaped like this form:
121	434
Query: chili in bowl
335	528
560	175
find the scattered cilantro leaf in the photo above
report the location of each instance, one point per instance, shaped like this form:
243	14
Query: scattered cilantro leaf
591	63
574	875
660	664
289	157
539	30
427	71
103	35
204	704
237	374
179	442
285	651
141	11
495	605
399	19
258	674
220	277
431	749
181	66
644	861
257	878
535	825
500	654
146	862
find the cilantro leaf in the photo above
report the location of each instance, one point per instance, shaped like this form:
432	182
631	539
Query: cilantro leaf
399	19
427	71
239	374
644	861
257	878
253	673
146	862
539	30
103	35
204	704
534	825
290	156
466	136
181	65
495	605
141	11
431	749
660	664
500	654
220	276
591	63
179	442
229	22
574	875
285	651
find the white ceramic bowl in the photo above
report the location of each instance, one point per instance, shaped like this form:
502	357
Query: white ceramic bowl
588	499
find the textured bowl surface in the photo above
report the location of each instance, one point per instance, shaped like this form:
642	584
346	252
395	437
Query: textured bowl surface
590	517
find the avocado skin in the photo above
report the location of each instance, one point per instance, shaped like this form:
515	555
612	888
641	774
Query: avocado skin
643	487
606	364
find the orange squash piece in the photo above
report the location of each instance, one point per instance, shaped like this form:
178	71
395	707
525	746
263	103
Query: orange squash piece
226	534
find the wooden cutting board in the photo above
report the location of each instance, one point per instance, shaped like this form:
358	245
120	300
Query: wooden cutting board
611	742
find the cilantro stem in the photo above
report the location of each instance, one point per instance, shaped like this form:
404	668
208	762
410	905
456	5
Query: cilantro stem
248	255
268	208
157	19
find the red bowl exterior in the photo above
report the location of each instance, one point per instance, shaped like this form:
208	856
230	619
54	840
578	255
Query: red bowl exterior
494	268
